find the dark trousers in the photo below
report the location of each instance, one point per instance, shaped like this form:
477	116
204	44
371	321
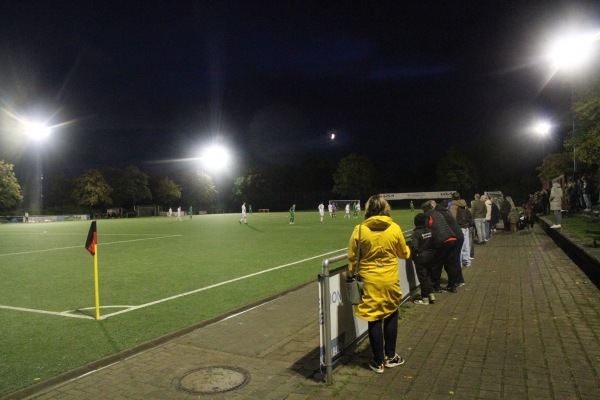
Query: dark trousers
442	251
382	335
424	271
453	264
471	238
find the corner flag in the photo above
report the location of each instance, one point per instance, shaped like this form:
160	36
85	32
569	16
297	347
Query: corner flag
92	239
91	245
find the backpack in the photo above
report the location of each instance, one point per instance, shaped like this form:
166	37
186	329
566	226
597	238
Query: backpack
463	216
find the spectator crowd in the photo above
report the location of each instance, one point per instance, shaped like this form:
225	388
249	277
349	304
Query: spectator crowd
446	234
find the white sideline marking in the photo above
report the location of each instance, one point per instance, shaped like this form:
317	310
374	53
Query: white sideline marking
60	314
133	308
77	247
217	285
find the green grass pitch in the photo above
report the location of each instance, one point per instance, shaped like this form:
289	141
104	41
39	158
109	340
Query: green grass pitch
156	276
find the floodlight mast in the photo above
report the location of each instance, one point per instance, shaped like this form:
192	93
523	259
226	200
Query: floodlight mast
38	132
571	52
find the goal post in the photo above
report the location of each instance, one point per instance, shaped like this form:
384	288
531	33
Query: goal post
147	211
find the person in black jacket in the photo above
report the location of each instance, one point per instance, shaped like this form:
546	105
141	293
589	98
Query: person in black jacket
444	240
422	252
452	261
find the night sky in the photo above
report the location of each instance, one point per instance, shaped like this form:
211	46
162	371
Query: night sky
147	83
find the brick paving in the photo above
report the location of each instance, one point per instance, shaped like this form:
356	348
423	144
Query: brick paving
526	326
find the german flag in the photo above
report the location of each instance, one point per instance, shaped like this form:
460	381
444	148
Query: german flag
92	239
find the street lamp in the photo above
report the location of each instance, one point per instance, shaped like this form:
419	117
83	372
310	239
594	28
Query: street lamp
569	53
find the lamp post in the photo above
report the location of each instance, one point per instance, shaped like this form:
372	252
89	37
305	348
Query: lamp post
570	53
38	132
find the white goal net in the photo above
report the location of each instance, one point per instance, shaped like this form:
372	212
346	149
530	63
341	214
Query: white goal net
147	211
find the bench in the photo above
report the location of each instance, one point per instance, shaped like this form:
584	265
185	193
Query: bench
263	210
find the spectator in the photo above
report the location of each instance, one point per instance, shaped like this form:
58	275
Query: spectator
573	197
545	201
504	210
488	218
461	213
382	244
513	217
444	241
452	262
423	254
556	195
495	215
479	211
528	213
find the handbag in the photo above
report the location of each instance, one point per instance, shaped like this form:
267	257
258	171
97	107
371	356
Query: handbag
354	283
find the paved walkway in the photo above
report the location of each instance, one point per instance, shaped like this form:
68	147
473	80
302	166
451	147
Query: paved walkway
526	326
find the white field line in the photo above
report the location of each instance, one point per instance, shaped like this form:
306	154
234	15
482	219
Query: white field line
74	234
60	314
217	285
81	246
133	308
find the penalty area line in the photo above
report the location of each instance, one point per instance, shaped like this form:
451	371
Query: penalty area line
218	284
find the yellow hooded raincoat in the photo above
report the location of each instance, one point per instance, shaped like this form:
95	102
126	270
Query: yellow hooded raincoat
382	243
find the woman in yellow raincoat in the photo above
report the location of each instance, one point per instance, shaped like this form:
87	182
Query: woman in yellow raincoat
381	245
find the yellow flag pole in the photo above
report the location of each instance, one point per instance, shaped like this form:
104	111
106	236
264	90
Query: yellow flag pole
96	293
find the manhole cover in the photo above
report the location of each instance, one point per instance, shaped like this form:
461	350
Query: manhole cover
211	380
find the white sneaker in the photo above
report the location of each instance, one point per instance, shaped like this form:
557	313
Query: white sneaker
555	226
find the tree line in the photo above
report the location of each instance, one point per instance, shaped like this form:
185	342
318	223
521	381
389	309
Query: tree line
462	168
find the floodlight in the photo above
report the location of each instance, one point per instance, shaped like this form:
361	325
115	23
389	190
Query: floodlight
542	128
215	157
572	51
37	130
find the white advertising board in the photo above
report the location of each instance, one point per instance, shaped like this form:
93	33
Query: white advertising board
419	195
344	326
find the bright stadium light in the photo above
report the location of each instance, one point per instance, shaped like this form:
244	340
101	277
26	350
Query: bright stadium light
542	129
215	158
36	130
572	51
